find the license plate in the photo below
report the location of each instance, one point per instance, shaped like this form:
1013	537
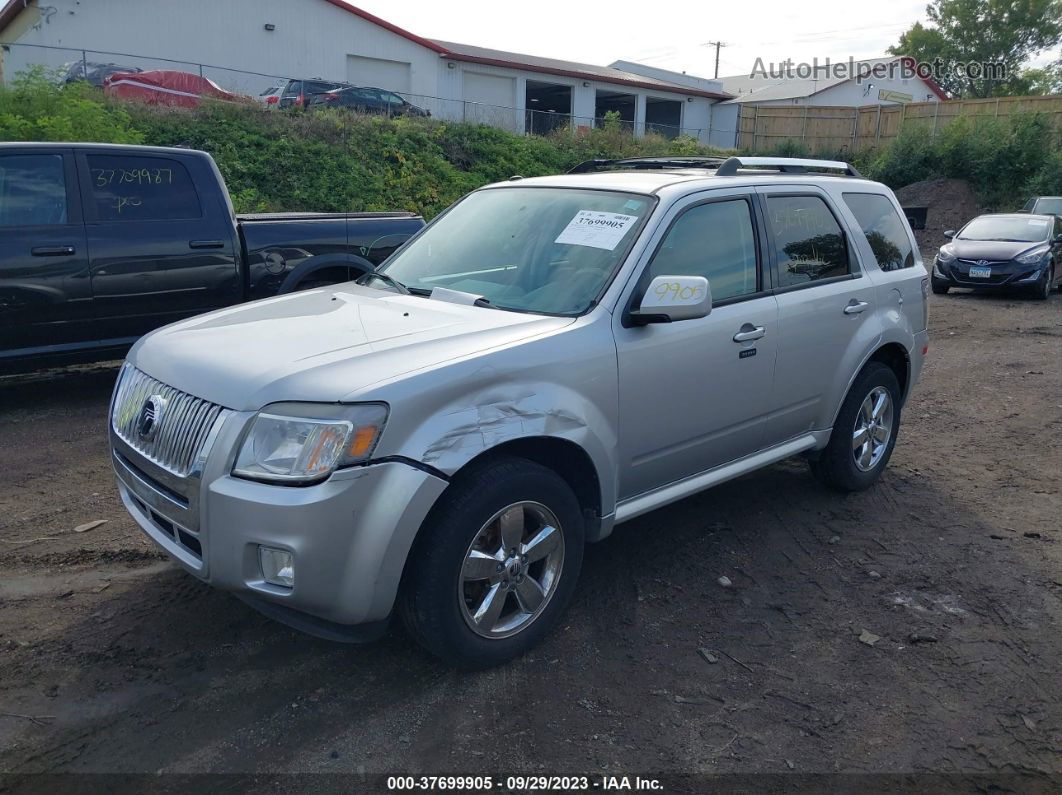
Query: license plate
977	272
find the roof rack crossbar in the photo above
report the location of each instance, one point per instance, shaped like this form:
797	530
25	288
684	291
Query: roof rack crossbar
636	163
786	165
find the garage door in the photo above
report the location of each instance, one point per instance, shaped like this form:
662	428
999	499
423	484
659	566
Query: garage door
379	73
490	89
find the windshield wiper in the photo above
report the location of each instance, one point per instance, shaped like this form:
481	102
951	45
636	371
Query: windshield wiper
391	280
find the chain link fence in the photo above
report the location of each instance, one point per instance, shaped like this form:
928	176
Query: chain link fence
70	64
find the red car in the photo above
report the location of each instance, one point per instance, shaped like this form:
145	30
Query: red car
164	87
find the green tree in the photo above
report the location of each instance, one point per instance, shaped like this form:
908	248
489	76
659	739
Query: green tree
1042	80
1006	32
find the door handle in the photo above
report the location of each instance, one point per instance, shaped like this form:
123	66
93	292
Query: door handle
855	307
206	244
52	251
749	332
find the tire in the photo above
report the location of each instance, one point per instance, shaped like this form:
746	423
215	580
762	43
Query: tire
837	466
1043	291
442	593
939	289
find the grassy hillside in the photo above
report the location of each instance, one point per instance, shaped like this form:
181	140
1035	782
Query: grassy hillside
334	161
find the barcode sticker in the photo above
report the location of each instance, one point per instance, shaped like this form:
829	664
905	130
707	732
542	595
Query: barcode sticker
596	229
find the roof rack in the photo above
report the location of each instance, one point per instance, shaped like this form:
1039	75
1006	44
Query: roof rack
727	167
639	163
786	165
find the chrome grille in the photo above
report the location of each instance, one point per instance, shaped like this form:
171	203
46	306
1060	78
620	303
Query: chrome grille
988	263
185	423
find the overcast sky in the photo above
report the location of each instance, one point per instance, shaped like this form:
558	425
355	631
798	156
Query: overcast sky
670	34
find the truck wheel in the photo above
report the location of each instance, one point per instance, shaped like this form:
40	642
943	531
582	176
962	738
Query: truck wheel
495	565
864	434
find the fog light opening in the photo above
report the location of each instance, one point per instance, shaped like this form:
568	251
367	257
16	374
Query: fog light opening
278	566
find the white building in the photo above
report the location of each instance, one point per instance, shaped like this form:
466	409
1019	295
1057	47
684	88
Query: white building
876	81
245	45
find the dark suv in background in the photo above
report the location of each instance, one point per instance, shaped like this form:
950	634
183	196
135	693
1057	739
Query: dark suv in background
296	93
1044	205
366	100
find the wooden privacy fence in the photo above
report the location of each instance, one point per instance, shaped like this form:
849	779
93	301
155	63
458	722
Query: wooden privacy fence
830	128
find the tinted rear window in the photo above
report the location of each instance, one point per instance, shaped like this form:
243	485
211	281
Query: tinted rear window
1049	206
128	188
808	240
883	228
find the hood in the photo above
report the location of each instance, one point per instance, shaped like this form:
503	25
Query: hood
322	345
992	250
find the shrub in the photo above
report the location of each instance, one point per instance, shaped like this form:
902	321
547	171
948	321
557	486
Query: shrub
334	161
1048	180
1001	158
36	108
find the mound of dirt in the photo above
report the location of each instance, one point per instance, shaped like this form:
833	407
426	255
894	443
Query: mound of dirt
949	204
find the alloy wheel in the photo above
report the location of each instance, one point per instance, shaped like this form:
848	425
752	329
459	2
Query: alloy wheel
511	570
873	429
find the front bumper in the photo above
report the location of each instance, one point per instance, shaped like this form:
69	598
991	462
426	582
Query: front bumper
1008	274
349	535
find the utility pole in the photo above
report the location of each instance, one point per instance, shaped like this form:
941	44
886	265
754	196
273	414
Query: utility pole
718	46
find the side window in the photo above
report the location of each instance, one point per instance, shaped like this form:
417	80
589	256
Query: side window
313	89
884	230
807	238
128	188
714	240
32	190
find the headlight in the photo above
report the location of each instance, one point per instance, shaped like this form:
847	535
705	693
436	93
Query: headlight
945	255
301	443
1034	256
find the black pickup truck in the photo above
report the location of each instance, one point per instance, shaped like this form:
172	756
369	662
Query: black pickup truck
102	243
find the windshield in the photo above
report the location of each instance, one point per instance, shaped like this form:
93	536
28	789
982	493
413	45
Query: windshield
549	250
1019	230
1051	206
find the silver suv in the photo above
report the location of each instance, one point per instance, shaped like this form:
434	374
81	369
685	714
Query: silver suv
548	358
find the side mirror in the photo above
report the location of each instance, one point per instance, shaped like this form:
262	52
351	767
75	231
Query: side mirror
672	298
950	233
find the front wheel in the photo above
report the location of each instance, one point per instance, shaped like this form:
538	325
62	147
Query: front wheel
939	288
864	434
1043	290
495	565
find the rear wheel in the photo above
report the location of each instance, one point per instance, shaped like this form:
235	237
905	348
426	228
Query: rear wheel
495	565
864	434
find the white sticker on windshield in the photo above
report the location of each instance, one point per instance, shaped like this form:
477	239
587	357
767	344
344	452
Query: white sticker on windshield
1037	222
596	229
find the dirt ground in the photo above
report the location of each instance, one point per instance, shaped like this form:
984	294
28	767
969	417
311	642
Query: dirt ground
114	660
